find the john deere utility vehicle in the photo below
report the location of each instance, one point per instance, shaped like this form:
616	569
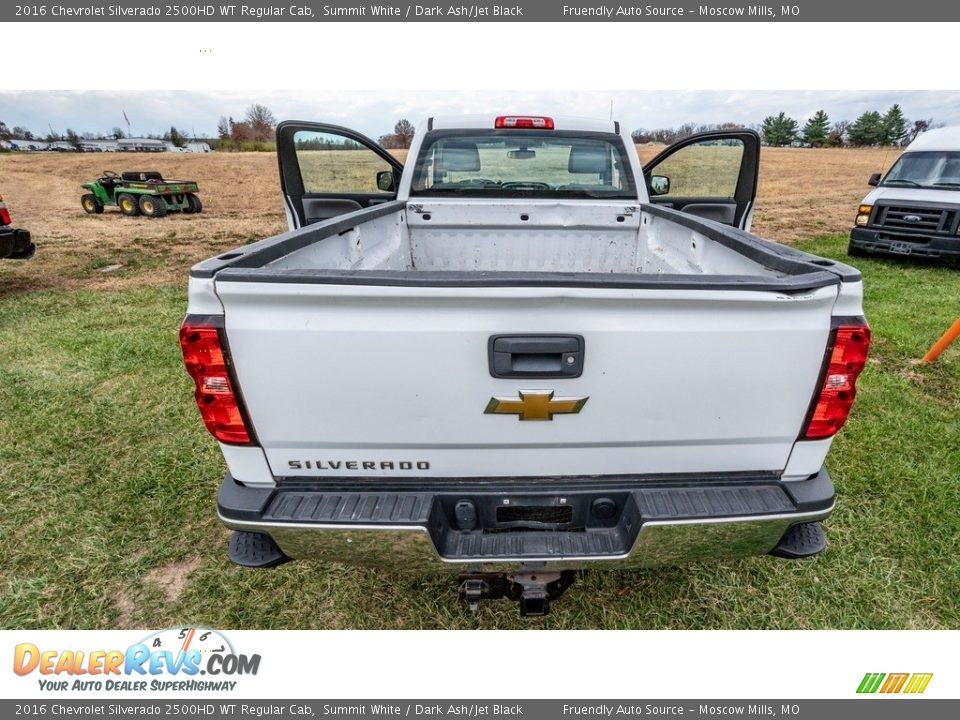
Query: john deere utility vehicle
138	193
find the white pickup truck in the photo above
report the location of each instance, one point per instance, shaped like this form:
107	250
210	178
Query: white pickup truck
520	355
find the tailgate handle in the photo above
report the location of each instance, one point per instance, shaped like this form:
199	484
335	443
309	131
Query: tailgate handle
536	356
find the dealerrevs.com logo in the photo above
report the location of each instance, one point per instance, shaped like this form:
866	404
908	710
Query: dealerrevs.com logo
890	683
178	659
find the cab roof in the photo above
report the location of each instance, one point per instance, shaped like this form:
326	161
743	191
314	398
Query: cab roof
484	122
938	140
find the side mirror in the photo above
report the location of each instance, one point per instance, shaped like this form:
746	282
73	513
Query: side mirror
874	180
387	181
659	184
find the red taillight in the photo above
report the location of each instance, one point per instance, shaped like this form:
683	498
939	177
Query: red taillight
207	365
848	355
4	215
535	122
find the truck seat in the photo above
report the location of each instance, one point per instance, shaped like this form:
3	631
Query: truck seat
141	176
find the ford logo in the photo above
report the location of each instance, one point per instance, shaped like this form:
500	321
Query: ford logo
912	218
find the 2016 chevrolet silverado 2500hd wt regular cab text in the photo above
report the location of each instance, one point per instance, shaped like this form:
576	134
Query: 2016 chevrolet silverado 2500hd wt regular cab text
520	355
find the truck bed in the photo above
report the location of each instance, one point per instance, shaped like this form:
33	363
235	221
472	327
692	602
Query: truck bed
456	243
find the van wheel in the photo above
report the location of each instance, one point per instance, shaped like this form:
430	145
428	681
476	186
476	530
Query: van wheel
128	205
153	206
854	251
91	204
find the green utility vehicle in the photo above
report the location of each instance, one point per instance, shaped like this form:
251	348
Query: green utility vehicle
138	193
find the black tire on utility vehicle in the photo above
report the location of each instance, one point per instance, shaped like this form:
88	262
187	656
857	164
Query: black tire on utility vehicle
128	204
193	204
153	206
91	204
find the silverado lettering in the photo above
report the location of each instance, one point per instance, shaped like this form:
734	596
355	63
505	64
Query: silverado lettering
358	465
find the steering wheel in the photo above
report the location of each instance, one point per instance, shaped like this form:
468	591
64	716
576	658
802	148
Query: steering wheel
525	185
110	174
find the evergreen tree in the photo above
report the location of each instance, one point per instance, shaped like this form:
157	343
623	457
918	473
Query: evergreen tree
867	129
779	130
816	130
176	137
894	126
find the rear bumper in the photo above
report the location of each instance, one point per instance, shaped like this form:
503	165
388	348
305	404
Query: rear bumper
645	521
896	243
16	244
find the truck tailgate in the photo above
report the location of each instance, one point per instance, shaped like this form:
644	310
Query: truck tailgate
348	380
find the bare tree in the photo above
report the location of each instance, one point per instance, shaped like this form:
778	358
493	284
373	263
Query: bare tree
401	137
403	132
919	127
837	136
240	131
223	128
261	121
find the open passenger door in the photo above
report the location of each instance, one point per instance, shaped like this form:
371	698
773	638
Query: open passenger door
327	170
712	175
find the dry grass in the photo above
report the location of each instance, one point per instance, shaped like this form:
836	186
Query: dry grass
354	170
802	193
805	192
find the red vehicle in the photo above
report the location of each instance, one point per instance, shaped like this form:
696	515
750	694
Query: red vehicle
15	243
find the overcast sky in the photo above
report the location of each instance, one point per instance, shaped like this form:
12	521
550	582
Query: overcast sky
374	112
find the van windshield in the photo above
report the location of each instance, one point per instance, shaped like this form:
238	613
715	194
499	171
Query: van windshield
927	170
523	163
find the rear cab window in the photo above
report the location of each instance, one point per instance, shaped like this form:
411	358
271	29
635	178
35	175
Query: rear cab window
523	163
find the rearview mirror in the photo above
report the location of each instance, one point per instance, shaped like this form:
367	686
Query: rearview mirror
386	181
659	184
521	154
874	180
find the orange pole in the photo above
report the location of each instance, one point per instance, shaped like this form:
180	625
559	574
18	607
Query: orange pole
940	345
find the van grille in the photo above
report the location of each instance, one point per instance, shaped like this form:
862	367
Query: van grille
916	219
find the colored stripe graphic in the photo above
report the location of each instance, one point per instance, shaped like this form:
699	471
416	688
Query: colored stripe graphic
918	682
894	683
870	682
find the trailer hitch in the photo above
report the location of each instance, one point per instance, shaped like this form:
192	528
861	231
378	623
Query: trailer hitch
533	589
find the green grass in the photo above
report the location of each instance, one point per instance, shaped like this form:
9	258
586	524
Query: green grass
108	481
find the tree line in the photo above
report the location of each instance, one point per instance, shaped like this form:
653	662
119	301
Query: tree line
74	138
870	129
257	128
254	132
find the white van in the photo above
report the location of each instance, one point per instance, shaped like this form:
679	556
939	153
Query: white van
915	208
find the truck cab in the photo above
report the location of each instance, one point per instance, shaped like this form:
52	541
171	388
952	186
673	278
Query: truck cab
914	210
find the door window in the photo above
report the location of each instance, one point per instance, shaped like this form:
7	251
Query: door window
706	169
331	163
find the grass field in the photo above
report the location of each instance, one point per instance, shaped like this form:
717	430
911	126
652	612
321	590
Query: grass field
108	479
108	484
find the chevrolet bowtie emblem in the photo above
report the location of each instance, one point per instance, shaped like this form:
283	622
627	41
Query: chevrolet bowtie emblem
535	405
